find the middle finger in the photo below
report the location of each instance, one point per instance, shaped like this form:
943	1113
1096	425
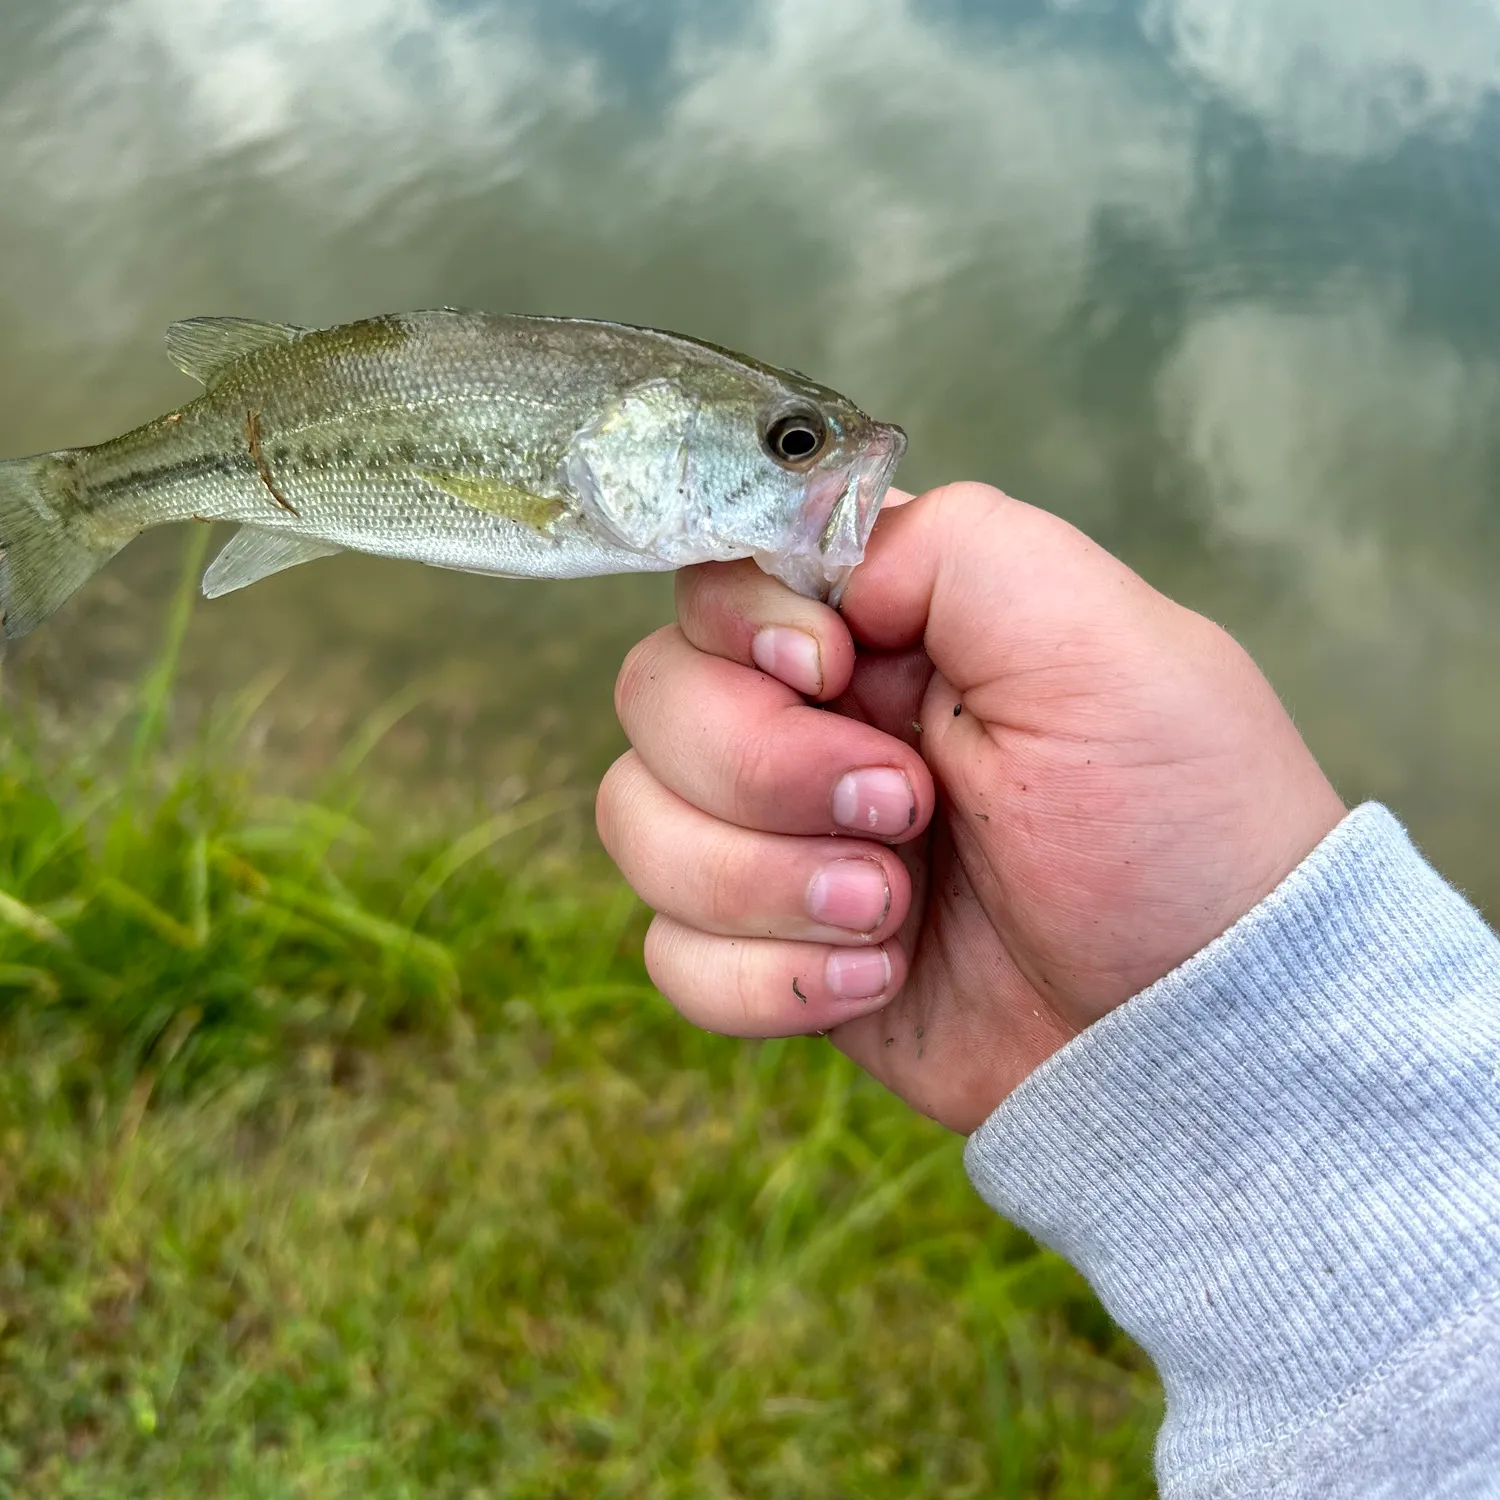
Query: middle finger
745	748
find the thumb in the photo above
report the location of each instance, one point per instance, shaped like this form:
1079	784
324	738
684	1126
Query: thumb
991	588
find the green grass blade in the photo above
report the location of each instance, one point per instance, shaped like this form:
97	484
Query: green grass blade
23	918
127	899
157	689
477	841
23	977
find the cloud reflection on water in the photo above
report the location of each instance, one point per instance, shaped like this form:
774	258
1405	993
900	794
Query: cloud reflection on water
1037	238
1327	76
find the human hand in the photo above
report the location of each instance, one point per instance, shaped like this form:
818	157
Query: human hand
1042	786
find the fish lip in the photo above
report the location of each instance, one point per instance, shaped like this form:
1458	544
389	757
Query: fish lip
853	516
836	518
821	567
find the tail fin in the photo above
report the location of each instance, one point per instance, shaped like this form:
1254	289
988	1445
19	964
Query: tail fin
45	554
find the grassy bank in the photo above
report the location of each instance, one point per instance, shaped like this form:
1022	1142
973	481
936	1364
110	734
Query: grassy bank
345	1153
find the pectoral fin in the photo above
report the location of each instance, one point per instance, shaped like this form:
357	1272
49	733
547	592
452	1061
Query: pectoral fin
253	554
499	498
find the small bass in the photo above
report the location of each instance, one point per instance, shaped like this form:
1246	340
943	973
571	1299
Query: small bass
525	447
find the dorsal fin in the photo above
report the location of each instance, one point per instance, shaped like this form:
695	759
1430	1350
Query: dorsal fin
205	347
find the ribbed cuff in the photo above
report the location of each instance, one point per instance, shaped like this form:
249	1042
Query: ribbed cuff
1280	1165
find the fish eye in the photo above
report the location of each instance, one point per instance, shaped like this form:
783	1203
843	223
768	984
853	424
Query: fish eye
796	438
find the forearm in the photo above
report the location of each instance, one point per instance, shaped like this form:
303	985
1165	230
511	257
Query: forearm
1280	1168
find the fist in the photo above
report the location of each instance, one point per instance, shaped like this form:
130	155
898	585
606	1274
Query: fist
1008	787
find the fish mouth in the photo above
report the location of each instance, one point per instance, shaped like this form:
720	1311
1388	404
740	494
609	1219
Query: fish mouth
836	519
852	518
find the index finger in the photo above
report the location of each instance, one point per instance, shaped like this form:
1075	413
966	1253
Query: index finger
736	611
739	612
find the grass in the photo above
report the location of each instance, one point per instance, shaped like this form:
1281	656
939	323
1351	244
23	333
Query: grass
349	1154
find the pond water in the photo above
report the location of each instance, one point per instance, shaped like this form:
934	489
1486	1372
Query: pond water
1215	279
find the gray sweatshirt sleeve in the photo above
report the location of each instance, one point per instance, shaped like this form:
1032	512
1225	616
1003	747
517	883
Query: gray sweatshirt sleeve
1280	1169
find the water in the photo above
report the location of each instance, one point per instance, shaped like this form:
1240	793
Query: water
1215	279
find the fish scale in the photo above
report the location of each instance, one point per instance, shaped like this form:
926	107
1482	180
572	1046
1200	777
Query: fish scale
502	444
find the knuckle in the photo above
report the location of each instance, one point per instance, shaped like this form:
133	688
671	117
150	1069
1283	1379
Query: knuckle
745	1014
683	968
759	775
698	583
611	801
657	953
715	606
638	673
969	503
688	589
715	983
628	679
722	884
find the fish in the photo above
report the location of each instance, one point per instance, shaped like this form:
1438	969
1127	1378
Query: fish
514	445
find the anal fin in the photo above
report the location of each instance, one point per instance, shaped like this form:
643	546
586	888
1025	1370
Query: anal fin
253	554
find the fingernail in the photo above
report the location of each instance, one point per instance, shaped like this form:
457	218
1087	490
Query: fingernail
850	893
875	800
858	973
791	655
